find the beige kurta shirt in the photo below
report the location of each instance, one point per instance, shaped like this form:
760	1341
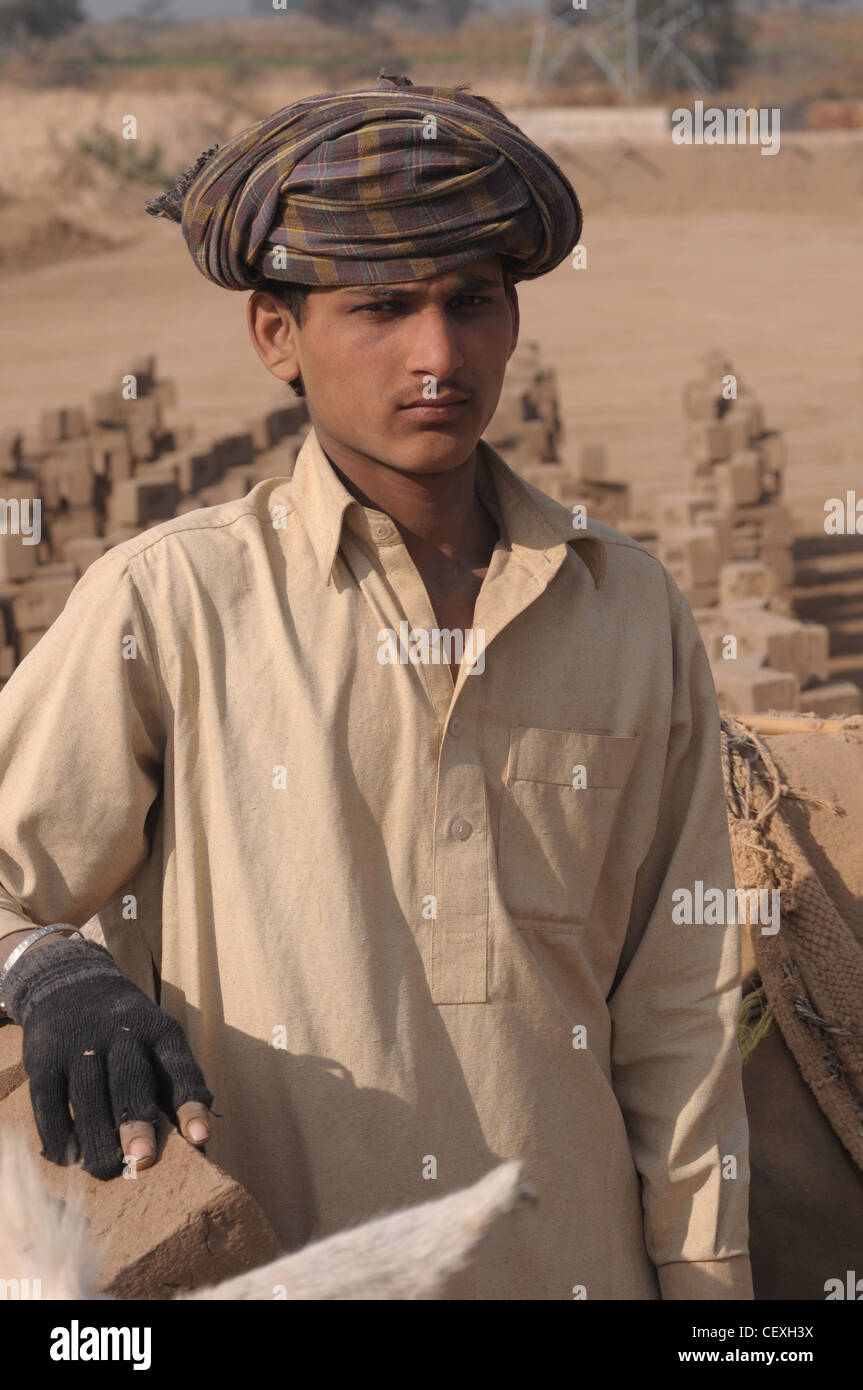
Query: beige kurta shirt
411	929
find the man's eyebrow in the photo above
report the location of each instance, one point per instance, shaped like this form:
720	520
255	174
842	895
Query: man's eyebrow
465	282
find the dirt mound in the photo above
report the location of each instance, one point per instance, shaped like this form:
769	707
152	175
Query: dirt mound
42	128
29	239
72	184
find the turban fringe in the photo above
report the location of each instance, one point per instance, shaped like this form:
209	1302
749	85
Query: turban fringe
347	189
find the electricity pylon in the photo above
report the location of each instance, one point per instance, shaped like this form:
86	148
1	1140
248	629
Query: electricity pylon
625	47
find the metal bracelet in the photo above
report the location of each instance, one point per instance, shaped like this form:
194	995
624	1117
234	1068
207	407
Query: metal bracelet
22	947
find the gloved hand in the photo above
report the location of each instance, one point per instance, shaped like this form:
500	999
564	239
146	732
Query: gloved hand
93	1037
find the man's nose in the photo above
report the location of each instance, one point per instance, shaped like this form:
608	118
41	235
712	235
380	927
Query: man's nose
434	347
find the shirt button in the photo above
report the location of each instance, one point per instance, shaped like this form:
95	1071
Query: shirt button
455	726
382	532
461	829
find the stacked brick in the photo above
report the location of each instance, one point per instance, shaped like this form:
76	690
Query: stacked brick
727	537
829	589
526	429
738	465
92	478
728	542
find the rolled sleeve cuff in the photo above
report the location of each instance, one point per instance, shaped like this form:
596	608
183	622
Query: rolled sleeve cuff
706	1279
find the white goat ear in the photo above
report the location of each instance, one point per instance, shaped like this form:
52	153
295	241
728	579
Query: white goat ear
407	1255
41	1238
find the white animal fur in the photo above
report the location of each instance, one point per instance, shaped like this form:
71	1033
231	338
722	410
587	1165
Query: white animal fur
406	1255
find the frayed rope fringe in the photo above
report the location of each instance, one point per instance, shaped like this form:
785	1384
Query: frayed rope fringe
755	1020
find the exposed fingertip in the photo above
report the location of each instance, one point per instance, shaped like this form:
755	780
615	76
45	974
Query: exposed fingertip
140	1148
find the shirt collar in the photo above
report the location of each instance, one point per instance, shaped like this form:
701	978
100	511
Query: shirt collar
529	520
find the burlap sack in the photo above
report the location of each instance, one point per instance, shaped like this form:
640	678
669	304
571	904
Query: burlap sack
795	814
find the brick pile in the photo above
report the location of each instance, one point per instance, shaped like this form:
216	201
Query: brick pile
104	474
727	538
526	430
828	578
728	542
526	427
735	478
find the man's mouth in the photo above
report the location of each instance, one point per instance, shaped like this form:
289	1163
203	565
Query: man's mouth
443	407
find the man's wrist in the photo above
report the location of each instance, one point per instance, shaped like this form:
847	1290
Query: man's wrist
14	938
11	949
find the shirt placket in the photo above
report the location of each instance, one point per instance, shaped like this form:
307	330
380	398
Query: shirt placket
461	864
459	873
459	936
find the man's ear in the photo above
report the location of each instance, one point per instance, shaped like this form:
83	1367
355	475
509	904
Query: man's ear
274	334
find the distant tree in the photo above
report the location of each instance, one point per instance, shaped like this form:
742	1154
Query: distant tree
38	19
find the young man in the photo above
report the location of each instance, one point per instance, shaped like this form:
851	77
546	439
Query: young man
411	907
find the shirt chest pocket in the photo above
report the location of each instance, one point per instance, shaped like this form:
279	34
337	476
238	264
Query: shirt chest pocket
561	797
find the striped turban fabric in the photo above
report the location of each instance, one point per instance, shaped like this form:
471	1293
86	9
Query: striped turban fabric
386	183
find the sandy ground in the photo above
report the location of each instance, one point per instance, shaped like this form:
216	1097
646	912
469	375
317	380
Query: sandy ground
718	248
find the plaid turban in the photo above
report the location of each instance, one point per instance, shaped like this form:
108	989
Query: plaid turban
386	183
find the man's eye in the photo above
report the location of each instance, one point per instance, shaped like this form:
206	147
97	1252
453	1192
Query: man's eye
395	304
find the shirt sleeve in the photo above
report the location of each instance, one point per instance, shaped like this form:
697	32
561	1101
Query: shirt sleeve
674	1010
81	749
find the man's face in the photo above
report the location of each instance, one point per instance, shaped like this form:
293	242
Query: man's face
378	365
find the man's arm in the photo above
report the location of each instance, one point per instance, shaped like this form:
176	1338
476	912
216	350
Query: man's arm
82	740
81	743
674	1012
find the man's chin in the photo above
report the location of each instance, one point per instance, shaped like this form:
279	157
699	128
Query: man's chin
429	449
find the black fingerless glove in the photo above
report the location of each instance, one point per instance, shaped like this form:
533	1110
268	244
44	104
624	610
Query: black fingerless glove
91	1037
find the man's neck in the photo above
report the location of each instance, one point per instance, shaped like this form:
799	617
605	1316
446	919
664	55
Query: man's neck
448	533
446	529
